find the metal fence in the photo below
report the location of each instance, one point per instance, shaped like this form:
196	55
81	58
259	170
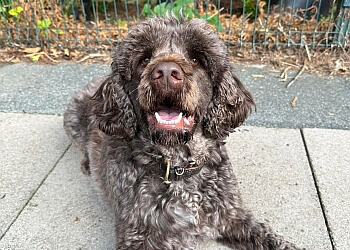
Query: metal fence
102	24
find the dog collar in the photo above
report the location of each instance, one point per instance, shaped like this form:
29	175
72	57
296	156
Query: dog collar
175	173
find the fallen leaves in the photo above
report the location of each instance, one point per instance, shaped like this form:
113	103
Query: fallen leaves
31	50
64	32
66	53
52	55
57	25
35	57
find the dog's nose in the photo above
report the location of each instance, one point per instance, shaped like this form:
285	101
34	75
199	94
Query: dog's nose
168	74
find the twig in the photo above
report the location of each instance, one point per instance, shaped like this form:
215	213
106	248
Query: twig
290	64
215	13
90	56
306	48
284	74
9	59
307	52
258	76
42	53
343	49
294	101
297	76
51	59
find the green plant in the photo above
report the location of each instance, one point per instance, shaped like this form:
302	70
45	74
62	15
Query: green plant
2	8
184	7
44	25
4	5
250	7
6	10
16	11
122	23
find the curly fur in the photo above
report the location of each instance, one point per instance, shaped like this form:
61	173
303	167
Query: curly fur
111	120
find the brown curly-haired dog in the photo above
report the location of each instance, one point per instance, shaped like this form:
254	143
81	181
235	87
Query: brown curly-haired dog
152	133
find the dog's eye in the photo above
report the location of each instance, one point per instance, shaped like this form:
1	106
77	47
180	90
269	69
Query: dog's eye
145	61
194	62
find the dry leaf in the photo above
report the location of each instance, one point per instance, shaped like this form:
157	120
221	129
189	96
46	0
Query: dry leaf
55	52
35	58
31	50
75	53
15	60
66	53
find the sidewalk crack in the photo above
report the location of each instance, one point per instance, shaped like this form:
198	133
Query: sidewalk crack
35	191
319	195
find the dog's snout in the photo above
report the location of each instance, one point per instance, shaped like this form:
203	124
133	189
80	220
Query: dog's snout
168	74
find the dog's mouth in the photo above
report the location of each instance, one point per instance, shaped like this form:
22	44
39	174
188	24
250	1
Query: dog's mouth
170	118
167	116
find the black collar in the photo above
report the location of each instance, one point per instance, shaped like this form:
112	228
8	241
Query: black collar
175	173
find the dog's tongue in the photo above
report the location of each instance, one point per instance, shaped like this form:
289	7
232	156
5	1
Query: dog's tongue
168	113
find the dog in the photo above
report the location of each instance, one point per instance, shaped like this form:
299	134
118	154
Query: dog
152	134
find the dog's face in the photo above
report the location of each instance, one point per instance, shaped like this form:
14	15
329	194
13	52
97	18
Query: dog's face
169	96
177	76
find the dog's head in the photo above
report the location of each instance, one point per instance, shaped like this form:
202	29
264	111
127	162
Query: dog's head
171	76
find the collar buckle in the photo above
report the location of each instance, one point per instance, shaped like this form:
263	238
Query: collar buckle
179	171
175	173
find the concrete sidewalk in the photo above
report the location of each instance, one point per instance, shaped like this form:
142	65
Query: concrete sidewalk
295	179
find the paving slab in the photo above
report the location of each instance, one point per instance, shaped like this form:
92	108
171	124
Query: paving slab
329	152
30	145
43	89
65	213
322	101
277	184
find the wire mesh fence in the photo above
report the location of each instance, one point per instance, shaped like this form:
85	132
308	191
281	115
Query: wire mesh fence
91	24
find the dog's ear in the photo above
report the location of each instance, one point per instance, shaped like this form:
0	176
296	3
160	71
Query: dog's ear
122	61
113	111
231	104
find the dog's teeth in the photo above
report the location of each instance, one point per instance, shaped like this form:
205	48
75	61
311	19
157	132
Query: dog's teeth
187	122
178	119
159	120
169	122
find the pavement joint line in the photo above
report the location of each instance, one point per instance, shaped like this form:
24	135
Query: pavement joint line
319	195
35	191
